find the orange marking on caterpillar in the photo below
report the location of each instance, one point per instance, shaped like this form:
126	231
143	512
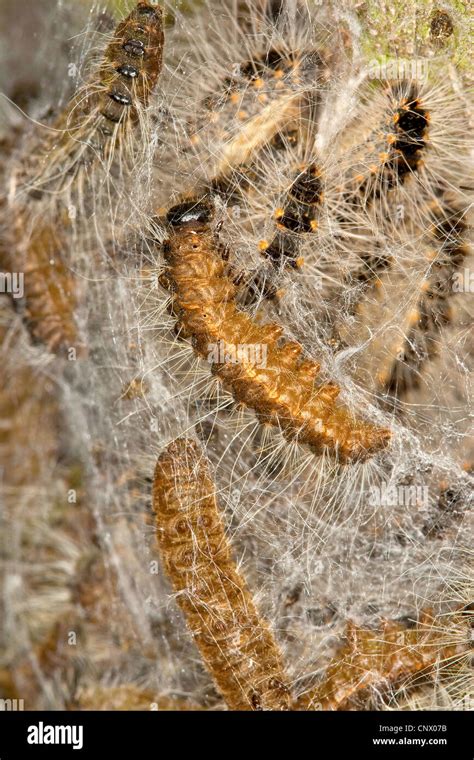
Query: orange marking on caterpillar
236	644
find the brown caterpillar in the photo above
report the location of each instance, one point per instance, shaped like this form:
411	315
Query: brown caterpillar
379	662
432	312
103	109
50	292
235	642
263	94
132	63
29	409
283	393
298	216
130	68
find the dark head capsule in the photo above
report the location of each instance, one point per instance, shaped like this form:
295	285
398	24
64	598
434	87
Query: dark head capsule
191	211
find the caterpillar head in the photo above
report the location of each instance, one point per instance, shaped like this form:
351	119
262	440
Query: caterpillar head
190	211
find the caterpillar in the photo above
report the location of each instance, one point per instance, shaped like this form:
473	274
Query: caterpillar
297	216
234	172
390	155
394	150
265	90
93	120
283	393
100	113
132	63
381	662
432	313
235	642
50	295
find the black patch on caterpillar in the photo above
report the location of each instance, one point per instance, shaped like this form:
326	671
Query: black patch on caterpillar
421	344
128	71
299	216
190	211
411	130
135	48
121	98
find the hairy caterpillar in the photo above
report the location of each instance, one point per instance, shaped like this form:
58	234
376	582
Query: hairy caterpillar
393	149
279	104
50	292
390	155
132	63
384	661
283	394
432	311
297	216
264	94
235	642
99	114
93	121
